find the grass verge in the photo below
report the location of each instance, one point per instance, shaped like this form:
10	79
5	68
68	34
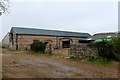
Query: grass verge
99	61
33	52
76	58
94	61
10	49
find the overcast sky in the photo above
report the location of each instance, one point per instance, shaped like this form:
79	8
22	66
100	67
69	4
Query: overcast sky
85	16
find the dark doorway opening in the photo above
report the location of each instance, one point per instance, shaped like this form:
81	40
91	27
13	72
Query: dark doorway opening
66	44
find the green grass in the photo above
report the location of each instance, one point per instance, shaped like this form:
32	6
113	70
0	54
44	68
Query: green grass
57	57
10	49
33	52
76	58
100	61
94	61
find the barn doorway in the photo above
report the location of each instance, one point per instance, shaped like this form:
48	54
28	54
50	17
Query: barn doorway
66	44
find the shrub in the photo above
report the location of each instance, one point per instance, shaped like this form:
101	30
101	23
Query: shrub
105	49
109	49
116	47
38	47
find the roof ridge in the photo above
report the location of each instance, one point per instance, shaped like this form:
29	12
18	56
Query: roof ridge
35	31
48	30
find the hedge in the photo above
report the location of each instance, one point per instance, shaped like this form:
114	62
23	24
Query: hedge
109	49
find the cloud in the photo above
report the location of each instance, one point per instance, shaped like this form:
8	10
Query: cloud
91	17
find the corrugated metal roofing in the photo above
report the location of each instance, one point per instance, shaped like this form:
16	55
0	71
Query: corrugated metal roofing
32	31
100	40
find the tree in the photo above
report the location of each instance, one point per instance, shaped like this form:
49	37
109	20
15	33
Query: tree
4	4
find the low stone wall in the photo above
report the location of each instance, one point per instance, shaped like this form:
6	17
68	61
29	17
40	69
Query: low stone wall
82	50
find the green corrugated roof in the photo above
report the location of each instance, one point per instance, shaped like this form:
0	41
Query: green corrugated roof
32	31
100	40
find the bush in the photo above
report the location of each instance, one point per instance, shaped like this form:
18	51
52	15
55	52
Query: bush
116	47
38	47
109	49
105	50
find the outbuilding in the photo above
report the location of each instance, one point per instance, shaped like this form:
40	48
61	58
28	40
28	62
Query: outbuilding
21	38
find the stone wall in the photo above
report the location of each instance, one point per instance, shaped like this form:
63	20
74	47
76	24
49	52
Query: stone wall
82	50
24	41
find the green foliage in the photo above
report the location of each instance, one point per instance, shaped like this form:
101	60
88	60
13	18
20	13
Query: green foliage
100	61
10	49
109	49
78	58
93	60
105	50
38	47
36	53
90	59
116	47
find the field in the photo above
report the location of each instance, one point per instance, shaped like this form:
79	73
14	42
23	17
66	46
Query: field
22	64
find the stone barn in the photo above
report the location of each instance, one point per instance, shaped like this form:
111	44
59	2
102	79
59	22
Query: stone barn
22	38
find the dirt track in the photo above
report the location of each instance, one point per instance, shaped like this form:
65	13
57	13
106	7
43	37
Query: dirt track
21	65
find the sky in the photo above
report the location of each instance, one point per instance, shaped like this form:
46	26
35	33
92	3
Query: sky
91	16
